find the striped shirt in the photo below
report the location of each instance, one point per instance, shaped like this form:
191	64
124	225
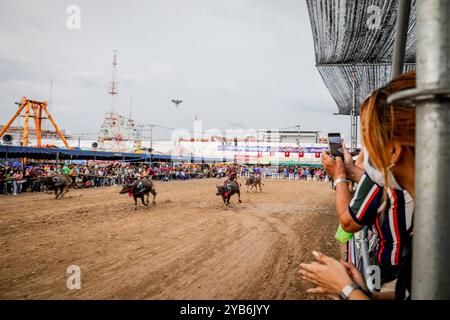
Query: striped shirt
390	220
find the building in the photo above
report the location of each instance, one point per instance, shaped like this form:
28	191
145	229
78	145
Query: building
291	136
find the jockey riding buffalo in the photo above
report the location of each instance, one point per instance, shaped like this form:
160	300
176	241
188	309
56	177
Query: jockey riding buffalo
227	190
253	182
138	189
59	182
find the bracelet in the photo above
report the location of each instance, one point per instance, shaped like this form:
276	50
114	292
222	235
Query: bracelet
340	180
367	292
348	290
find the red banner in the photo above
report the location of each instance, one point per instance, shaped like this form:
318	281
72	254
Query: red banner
317	154
301	154
287	154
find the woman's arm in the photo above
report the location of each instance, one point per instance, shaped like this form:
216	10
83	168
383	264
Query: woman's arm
336	168
343	198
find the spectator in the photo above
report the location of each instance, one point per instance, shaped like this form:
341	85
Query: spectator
388	134
17	181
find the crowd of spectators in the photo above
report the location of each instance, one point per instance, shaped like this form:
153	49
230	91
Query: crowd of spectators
15	178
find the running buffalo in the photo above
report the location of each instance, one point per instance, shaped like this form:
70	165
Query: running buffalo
227	190
253	182
138	189
60	183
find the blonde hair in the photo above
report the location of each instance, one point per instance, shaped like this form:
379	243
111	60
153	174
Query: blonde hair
383	123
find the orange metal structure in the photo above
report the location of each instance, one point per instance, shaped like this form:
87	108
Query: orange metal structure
36	107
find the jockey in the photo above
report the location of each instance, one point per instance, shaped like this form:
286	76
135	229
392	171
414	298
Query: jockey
232	174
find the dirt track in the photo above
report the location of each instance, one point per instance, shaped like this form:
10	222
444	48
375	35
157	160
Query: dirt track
188	246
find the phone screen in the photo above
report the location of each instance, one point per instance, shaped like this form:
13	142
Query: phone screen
335	142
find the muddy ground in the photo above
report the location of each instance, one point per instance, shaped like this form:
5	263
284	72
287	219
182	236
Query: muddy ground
188	246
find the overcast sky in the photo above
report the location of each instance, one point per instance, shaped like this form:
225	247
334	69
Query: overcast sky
230	61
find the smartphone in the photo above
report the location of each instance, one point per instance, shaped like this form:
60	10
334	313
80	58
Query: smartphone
335	143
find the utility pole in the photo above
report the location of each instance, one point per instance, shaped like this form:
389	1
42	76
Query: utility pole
151	138
150	150
177	104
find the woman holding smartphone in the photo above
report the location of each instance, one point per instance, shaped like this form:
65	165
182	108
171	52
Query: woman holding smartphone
388	135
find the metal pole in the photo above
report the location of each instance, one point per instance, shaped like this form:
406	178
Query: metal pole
151	144
431	244
401	33
364	252
356	130
177	104
151	138
353	124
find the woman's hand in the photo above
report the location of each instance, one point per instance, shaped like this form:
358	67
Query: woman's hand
334	167
354	172
355	275
348	160
329	275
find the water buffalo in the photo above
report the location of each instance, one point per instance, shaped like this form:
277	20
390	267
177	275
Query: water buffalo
227	190
138	189
60	183
253	182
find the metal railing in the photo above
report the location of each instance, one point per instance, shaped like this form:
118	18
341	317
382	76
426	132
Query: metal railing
431	245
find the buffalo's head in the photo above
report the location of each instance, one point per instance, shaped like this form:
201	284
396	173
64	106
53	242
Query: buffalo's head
126	188
249	181
220	190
